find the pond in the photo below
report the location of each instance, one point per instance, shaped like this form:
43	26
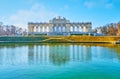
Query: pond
59	61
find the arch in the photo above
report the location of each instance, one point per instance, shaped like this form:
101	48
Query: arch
75	28
47	29
43	28
71	28
38	28
80	29
59	29
84	29
63	29
54	28
34	28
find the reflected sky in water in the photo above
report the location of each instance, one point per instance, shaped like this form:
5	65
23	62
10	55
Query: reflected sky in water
59	61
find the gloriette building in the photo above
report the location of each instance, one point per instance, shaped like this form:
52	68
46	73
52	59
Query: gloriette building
59	26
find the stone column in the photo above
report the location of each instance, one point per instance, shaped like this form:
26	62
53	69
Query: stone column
50	27
60	29
89	27
73	28
39	27
80	28
45	27
85	29
36	28
32	28
56	30
42	28
68	28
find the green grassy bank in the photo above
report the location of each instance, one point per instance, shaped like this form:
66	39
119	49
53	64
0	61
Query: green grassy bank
60	39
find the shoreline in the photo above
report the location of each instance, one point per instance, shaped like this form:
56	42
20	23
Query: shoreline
61	39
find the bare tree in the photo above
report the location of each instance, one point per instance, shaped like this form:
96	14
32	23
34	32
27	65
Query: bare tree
10	30
118	32
112	29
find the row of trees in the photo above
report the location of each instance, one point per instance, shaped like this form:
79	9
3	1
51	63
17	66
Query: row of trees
109	29
11	30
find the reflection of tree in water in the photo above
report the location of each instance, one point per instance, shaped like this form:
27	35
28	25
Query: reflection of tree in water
30	53
59	54
80	53
115	48
88	53
118	52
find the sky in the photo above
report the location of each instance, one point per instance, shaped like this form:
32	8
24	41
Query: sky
20	12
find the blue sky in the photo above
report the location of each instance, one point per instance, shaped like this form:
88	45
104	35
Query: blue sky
20	12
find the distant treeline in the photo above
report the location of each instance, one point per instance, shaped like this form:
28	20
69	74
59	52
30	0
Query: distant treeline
109	29
11	30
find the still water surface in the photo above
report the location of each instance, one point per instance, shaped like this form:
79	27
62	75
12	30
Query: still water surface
59	61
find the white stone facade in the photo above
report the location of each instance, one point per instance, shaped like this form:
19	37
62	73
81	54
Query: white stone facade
59	26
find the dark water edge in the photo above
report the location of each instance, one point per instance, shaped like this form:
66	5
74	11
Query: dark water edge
63	43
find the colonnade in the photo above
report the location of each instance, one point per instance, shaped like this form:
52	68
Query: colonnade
55	28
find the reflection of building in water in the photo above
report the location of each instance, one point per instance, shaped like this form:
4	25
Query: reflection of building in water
30	53
88	52
59	54
54	54
43	54
80	53
38	54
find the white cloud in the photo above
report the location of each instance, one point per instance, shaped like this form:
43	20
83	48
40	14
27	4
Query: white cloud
97	4
89	4
36	13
